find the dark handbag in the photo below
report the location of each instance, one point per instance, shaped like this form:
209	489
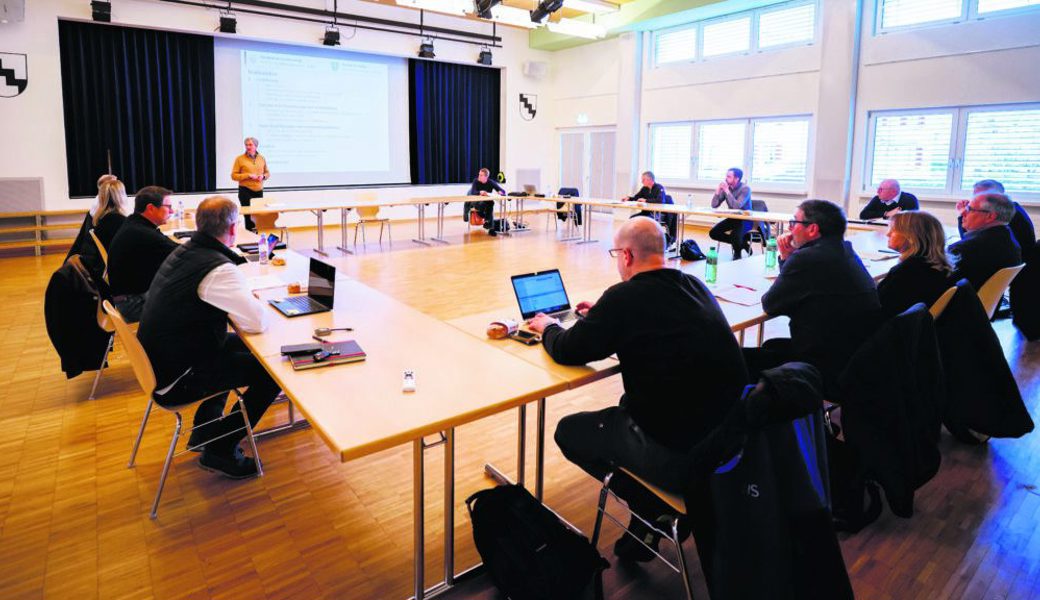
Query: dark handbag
691	251
528	551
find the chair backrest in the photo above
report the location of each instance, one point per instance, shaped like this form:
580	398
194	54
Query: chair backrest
940	305
100	247
569	191
134	350
265	221
368	212
759	205
994	288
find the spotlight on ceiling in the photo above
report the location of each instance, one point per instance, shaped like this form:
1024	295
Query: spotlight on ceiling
228	23
331	36
483	7
544	9
485	57
101	10
426	50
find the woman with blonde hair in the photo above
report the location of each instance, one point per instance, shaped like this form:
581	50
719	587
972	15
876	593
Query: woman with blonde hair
110	212
924	269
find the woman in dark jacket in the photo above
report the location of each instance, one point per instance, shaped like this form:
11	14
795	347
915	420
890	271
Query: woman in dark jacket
924	270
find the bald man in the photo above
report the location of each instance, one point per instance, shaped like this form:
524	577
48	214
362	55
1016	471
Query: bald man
890	199
680	364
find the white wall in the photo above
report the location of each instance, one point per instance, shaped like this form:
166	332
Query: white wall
987	62
33	127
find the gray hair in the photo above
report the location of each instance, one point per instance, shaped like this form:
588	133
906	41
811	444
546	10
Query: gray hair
252	139
216	215
988	185
643	236
1000	205
649	174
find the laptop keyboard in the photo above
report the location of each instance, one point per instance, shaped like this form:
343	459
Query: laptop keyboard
299	302
564	315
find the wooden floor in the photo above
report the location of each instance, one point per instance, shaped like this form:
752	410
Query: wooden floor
74	520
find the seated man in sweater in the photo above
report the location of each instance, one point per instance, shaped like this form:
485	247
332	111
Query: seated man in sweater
680	365
184	332
1021	225
736	195
483	185
138	250
889	200
653	193
825	290
988	245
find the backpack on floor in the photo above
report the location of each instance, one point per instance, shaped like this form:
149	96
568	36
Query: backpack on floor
528	551
691	251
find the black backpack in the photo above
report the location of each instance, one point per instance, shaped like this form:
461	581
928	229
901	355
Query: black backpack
528	551
691	251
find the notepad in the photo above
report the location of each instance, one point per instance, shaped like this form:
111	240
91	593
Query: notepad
741	295
264	282
349	351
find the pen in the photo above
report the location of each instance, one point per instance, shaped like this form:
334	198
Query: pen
744	287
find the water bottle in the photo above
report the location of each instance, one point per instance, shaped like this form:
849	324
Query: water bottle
689	200
263	248
771	253
711	268
180	213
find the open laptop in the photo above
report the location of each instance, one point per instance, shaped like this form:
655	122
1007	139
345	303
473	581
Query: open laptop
543	292
321	289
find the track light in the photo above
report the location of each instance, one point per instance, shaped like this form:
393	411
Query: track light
483	8
101	10
426	50
485	57
544	9
331	36
228	23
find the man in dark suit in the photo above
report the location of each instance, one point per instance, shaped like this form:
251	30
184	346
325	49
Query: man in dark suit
138	250
825	290
1021	225
889	200
988	244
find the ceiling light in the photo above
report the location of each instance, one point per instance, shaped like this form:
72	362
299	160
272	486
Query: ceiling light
592	6
507	15
483	7
228	24
576	28
101	10
544	9
485	57
426	50
331	36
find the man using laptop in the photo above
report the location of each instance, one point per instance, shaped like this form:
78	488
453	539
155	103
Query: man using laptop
184	332
680	364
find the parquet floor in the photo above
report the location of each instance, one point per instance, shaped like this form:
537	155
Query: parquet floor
74	520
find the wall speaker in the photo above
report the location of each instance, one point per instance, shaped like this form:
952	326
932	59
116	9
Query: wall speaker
536	69
12	11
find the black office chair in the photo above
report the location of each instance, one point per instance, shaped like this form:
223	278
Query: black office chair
760	230
573	210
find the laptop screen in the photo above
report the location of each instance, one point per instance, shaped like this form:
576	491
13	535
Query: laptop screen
321	285
540	292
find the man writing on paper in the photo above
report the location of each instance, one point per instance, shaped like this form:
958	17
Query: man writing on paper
250	171
680	364
483	185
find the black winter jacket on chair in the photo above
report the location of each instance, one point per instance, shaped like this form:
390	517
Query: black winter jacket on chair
70	310
891	420
1025	294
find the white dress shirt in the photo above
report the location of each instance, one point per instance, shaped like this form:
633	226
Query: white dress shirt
226	288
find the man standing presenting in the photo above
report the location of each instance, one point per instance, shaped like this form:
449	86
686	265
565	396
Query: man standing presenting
737	196
250	171
890	199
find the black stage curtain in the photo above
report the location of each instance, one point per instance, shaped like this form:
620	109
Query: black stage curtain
145	95
454	121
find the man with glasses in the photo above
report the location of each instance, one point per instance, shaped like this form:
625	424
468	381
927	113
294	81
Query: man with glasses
138	249
1021	225
889	200
825	290
680	366
988	245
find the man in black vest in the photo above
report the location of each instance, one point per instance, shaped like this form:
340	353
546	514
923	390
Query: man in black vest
138	250
988	244
184	332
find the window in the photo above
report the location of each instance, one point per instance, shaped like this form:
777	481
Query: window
670	151
780	151
727	37
903	14
676	45
772	150
720	146
948	150
776	26
787	25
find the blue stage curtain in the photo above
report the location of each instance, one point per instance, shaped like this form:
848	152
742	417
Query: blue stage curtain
147	96
454	121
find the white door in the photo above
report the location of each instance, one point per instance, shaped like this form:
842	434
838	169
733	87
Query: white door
587	162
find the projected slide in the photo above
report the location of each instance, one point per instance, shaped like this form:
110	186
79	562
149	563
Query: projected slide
316	114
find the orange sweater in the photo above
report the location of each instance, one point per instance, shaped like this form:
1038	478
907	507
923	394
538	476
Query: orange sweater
245	167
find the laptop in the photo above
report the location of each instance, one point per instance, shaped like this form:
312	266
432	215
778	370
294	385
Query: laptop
321	289
531	189
543	292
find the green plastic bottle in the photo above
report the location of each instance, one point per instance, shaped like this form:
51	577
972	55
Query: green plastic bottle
771	253
711	269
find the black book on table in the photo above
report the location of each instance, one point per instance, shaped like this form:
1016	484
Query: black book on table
348	351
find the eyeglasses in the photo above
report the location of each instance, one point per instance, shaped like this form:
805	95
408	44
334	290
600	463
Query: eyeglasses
615	252
794	222
168	206
979	210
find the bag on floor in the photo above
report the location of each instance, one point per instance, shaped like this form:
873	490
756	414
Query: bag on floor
691	251
475	219
528	551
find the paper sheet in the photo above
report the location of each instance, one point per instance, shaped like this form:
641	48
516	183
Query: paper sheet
264	282
741	295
